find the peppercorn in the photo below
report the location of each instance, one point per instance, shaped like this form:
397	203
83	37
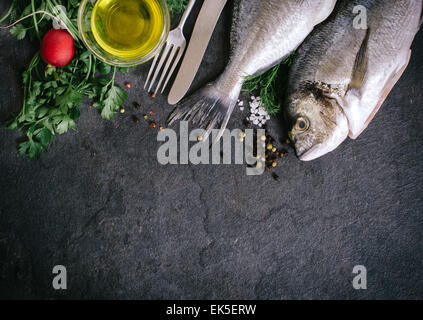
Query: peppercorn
153	125
128	85
151	113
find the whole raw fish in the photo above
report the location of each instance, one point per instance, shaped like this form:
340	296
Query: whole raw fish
264	32
345	70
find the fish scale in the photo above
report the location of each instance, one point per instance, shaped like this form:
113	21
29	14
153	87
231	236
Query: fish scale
263	34
342	75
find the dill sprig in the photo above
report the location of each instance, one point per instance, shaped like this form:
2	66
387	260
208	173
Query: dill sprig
177	6
269	84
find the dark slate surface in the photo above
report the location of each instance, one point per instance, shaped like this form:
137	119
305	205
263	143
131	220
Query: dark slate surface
126	227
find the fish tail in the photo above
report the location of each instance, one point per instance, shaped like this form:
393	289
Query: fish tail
209	107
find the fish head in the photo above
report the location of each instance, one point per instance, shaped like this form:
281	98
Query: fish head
318	124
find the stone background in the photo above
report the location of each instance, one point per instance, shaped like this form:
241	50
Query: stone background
126	227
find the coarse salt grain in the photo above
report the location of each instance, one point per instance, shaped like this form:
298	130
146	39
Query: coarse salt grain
258	115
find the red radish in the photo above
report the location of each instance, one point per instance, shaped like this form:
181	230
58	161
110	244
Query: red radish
57	48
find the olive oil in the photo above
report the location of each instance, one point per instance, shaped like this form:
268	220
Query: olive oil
128	29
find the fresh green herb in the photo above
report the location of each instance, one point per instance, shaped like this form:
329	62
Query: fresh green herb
52	97
177	6
111	99
268	84
19	31
9	12
51	101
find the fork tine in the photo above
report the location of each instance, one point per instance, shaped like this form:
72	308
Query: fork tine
159	67
153	65
166	68
175	64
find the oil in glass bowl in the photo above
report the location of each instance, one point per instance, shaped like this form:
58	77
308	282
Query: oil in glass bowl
128	29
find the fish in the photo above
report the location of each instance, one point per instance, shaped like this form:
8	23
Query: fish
263	34
344	71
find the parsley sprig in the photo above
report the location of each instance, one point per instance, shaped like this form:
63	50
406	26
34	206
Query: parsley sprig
51	101
52	96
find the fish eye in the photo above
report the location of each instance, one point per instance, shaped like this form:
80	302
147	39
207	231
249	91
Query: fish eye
302	124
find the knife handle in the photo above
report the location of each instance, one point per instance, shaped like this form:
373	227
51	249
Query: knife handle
200	38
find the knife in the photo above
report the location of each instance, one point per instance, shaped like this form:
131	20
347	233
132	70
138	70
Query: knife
203	30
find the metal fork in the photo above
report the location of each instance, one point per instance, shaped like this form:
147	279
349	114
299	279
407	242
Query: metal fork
176	42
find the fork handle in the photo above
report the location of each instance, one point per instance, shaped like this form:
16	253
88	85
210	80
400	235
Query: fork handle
185	16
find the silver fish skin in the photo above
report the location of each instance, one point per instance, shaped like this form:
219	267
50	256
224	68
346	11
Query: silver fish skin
342	75
264	32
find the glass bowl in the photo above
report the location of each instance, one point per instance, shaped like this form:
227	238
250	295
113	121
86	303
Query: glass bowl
85	30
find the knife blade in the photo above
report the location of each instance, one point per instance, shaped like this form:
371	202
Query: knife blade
203	30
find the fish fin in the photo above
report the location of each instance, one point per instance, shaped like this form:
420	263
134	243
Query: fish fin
208	108
387	89
360	66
